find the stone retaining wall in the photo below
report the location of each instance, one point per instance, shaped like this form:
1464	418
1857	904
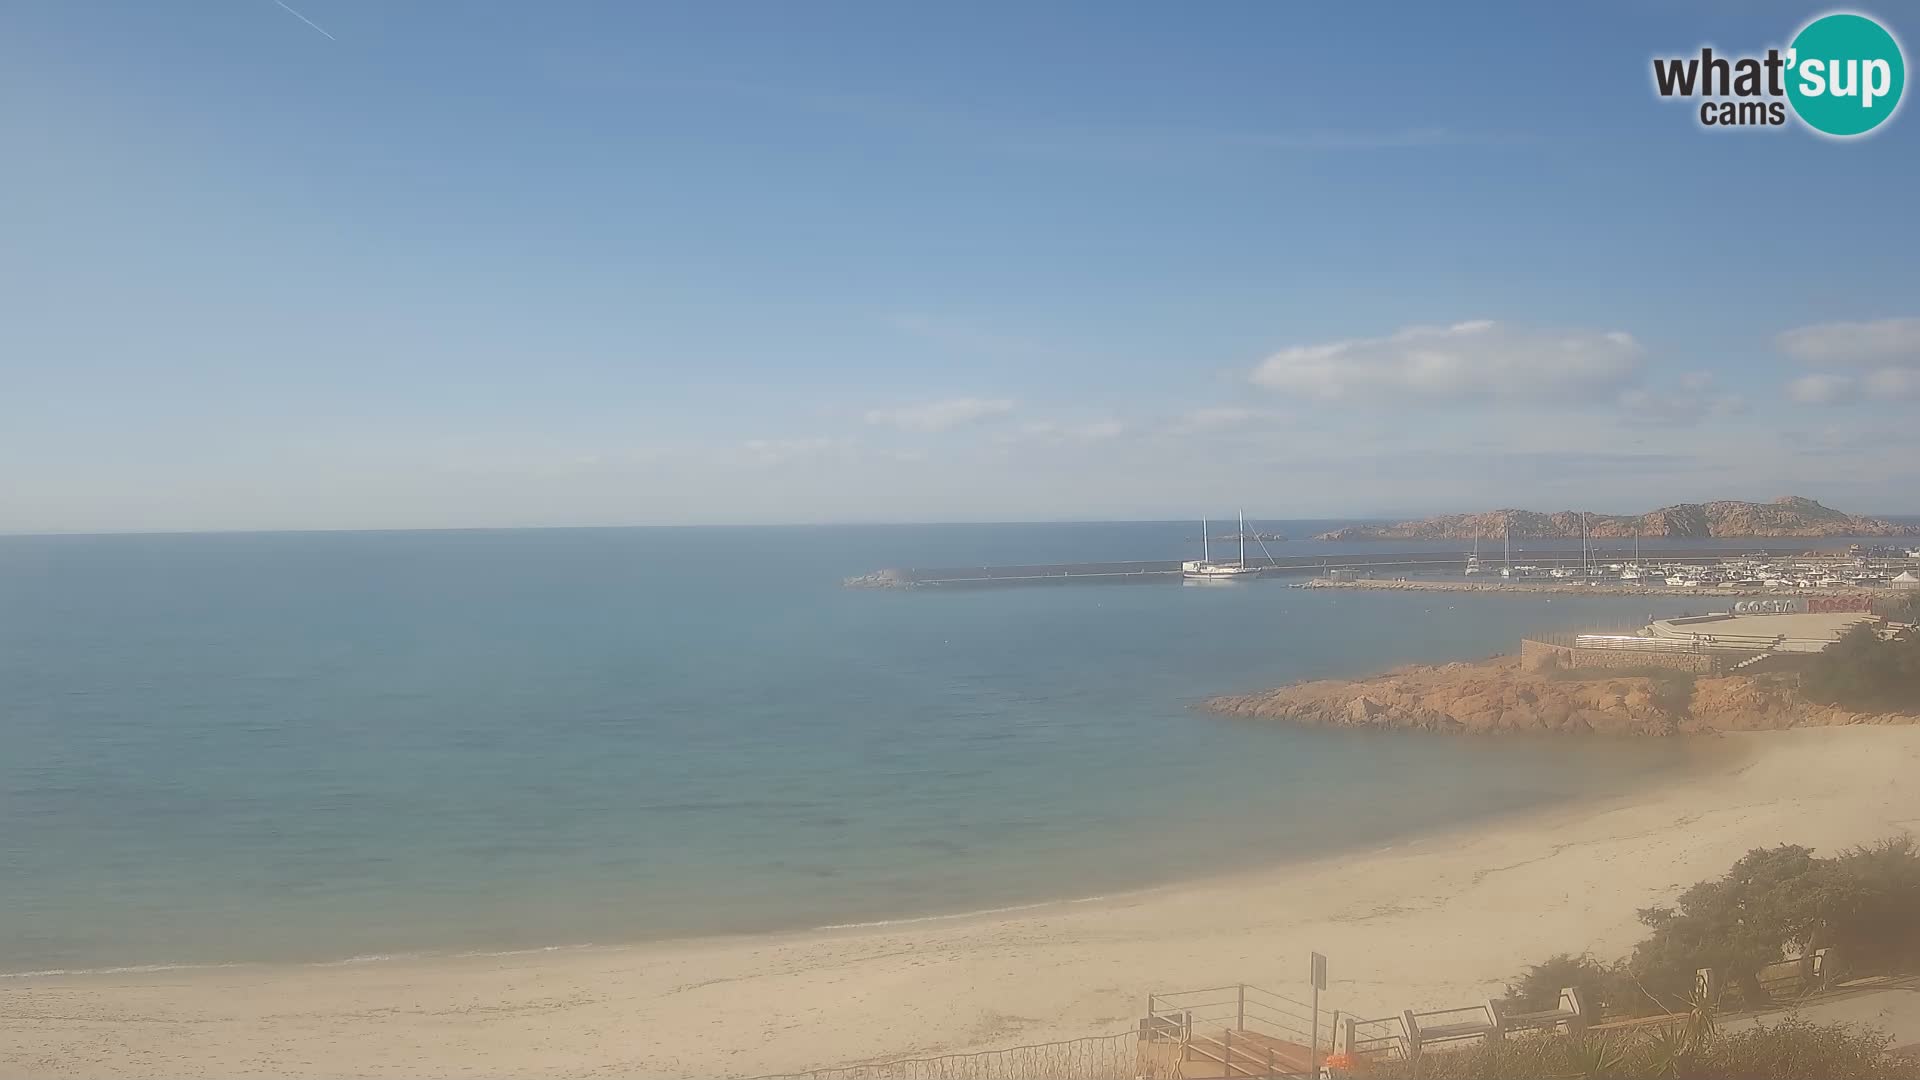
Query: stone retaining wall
1536	655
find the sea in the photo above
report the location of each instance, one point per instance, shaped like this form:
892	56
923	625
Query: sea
323	747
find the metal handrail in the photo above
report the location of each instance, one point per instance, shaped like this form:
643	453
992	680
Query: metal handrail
1479	1009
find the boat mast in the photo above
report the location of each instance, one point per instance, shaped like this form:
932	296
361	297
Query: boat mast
1206	547
1243	539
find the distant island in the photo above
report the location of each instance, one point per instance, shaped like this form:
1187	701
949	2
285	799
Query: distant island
1790	515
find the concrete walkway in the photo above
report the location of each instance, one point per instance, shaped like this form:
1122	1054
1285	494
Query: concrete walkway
1890	1003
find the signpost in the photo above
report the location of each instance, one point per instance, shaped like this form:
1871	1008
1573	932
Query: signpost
1317	975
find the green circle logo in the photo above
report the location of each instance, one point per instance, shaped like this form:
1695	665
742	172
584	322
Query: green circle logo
1845	74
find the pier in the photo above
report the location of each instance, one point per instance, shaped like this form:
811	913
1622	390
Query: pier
1364	564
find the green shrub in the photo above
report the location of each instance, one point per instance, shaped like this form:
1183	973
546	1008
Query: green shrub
1791	1049
1794	1049
1772	904
1537	989
1865	672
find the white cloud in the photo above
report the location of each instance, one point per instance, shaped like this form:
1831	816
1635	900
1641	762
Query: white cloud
940	415
1893	342
1885	384
1217	417
782	451
1055	431
1894	382
1822	389
1481	359
1687	403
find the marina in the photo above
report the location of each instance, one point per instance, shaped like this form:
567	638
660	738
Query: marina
1758	571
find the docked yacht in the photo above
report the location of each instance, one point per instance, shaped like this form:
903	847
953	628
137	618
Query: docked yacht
1205	569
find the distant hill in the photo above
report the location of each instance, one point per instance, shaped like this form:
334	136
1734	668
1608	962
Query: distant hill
1789	515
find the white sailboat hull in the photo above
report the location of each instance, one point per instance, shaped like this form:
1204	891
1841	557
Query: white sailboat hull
1211	572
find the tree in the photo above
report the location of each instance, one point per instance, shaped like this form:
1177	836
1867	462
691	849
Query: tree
1772	901
1874	898
1775	903
1537	989
1864	671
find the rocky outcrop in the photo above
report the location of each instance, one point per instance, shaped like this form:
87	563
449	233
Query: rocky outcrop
1499	697
1770	703
1788	516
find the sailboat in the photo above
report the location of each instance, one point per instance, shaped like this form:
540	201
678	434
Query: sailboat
1507	569
1632	571
1205	569
1473	560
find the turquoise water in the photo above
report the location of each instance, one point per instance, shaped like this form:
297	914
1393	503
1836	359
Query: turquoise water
317	746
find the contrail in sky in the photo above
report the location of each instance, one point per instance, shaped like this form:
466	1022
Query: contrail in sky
306	20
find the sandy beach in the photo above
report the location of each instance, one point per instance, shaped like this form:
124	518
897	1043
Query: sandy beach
1434	922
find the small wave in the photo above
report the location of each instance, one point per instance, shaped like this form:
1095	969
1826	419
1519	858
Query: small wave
128	969
527	951
367	958
364	958
956	915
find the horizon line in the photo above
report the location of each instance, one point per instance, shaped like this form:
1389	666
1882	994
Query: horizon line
1902	518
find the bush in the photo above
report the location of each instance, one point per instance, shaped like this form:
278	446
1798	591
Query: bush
1792	1049
1772	904
1865	672
1903	608
1873	906
1538	988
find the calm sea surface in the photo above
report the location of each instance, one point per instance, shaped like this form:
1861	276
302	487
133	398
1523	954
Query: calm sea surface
320	746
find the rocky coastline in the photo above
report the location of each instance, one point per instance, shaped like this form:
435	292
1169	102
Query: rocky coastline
1787	516
1499	696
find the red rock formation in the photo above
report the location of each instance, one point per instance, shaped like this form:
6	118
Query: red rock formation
1789	515
1498	696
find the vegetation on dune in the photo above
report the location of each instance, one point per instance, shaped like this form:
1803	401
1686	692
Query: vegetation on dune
1866	672
1903	608
1792	1049
1773	904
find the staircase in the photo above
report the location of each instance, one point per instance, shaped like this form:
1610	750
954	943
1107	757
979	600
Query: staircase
1238	1032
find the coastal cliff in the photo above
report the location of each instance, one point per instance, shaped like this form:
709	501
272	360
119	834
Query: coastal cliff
1499	696
1788	516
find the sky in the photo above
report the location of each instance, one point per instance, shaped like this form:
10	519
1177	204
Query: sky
368	264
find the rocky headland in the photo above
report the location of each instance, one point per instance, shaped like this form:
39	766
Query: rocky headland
1499	696
1788	516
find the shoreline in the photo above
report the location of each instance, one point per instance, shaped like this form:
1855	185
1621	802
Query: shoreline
1677	765
1585	588
1436	920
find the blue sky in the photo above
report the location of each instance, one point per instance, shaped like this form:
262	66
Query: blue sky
485	264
